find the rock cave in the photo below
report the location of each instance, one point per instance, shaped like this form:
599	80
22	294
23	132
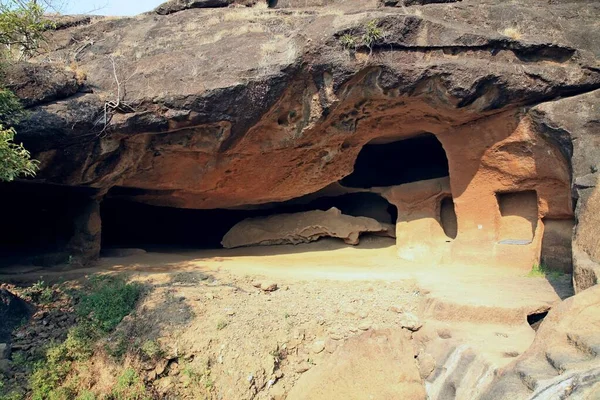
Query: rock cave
307	186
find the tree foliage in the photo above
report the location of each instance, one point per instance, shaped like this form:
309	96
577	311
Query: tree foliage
15	160
22	25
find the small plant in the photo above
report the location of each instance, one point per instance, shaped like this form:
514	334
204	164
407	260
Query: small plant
541	270
19	360
39	292
221	325
372	35
348	41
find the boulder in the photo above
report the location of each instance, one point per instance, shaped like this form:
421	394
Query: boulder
564	359
13	310
301	227
377	365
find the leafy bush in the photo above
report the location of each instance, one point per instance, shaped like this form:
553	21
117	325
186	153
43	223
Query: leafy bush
22	25
15	160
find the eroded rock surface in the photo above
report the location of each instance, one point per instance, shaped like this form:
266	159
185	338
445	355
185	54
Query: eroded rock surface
564	359
374	365
302	228
573	124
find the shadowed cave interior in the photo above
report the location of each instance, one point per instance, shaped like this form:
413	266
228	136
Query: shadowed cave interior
394	163
42	233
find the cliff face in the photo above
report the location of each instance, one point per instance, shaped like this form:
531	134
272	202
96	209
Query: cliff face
212	104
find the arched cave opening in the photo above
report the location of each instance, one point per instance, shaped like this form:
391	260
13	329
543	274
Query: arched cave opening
38	222
131	224
409	160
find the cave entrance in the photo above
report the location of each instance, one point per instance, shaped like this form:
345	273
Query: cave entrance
410	160
38	222
127	224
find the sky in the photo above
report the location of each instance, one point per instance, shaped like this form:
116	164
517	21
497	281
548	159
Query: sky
106	7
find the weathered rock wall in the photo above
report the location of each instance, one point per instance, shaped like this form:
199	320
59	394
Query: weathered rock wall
573	125
234	107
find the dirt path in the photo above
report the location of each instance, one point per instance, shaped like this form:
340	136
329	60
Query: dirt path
205	307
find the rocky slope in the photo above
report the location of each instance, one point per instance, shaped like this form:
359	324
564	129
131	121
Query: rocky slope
477	121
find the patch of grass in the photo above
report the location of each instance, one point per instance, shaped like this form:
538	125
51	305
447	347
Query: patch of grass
117	347
129	387
19	360
86	395
103	305
110	299
541	270
197	377
11	395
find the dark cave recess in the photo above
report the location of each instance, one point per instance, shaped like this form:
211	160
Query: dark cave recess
410	160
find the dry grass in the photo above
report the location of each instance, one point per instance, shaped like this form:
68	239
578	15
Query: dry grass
80	74
278	51
512	32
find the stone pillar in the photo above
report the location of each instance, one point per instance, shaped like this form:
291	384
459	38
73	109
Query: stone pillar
420	236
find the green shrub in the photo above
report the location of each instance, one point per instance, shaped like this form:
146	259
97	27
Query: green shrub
110	299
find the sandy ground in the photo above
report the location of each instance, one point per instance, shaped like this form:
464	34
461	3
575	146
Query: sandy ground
248	343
